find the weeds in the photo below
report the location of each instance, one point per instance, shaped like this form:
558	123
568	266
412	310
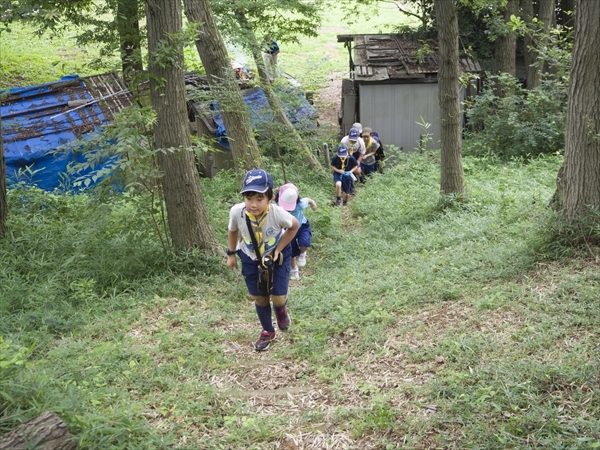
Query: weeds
403	304
418	323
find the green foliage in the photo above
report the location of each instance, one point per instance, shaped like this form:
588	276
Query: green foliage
122	157
70	253
168	50
129	337
564	239
523	124
418	322
283	20
12	361
553	47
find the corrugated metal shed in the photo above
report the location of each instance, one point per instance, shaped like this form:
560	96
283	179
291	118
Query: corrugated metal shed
394	88
378	57
36	120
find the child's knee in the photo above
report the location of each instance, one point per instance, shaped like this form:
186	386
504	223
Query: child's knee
279	300
260	300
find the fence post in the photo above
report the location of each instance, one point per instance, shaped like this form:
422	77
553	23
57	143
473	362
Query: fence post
326	154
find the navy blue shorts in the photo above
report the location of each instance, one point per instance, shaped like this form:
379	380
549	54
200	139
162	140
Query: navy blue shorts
368	168
281	273
302	239
347	182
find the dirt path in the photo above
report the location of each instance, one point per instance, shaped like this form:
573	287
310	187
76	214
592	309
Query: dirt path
328	100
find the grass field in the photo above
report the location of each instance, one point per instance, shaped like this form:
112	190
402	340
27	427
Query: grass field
413	327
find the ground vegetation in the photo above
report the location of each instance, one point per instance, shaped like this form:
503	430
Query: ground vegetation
414	326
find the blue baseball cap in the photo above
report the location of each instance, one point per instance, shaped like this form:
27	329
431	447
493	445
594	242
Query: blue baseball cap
257	180
342	150
353	134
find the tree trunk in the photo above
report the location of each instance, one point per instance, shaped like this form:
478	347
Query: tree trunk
533	69
128	27
287	131
579	189
188	219
3	200
506	47
547	17
45	432
452	175
223	85
546	13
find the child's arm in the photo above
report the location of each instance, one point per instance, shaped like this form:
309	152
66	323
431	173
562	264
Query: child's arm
232	240
373	152
335	169
286	238
312	203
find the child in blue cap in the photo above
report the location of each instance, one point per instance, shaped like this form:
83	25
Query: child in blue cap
344	166
260	234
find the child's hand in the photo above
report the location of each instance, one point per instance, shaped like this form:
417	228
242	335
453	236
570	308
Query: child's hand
275	255
232	262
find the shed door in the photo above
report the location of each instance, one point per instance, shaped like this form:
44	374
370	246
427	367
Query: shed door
395	110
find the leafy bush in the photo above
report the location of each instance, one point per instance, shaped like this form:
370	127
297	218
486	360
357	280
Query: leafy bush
524	124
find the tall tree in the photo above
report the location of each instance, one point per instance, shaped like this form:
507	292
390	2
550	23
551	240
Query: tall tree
223	85
188	219
579	178
533	72
3	201
285	131
128	26
506	44
546	21
547	18
452	174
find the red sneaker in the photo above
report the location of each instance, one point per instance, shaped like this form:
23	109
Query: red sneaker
264	340
283	318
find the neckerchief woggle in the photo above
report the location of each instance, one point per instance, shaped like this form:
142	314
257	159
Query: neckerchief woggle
257	228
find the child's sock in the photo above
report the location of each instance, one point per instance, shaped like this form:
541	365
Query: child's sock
264	316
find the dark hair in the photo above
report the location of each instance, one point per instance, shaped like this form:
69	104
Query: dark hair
268	193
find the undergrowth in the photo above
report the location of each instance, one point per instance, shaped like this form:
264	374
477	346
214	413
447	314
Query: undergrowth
104	327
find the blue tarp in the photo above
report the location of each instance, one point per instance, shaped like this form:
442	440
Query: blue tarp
300	112
36	120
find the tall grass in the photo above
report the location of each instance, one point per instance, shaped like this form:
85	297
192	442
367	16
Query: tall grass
126	340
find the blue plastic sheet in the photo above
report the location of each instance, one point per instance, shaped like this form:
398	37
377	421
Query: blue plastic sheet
36	120
300	112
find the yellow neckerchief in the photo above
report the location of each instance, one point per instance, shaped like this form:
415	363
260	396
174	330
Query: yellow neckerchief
343	160
257	228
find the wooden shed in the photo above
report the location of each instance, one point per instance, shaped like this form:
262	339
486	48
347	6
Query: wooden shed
393	88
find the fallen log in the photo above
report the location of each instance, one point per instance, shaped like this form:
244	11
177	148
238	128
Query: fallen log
45	432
